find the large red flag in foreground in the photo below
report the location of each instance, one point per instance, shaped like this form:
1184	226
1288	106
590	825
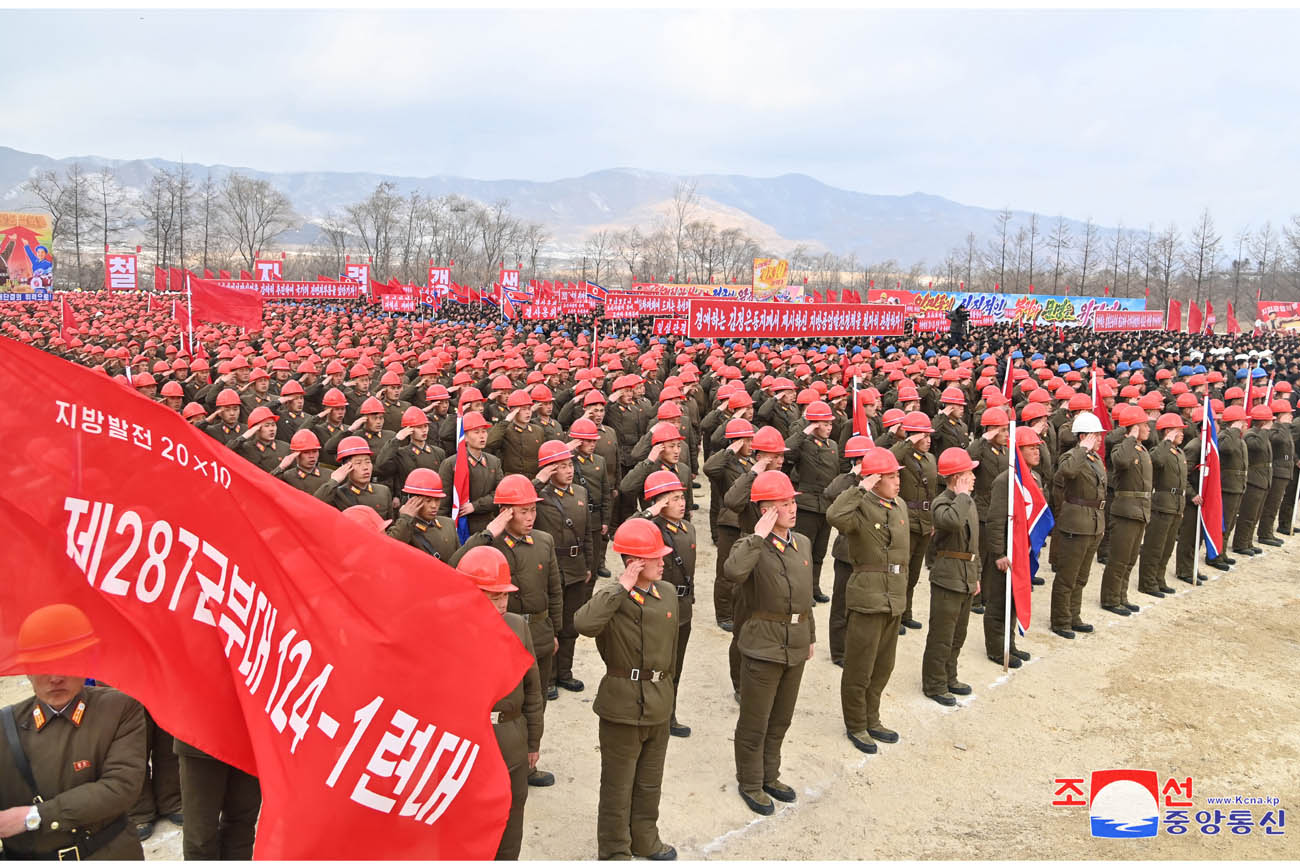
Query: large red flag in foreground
1174	320
1233	327
353	674
210	302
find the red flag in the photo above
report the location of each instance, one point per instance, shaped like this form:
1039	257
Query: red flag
148	304
1194	319
159	280
1098	405
1209	318
287	659
1210	484
181	314
1233	327
225	275
1009	383
245	275
860	425
214	303
175	279
1174	320
67	324
1031	524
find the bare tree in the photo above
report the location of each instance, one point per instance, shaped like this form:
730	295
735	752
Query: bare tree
1117	246
496	230
253	214
1087	254
631	249
184	191
998	246
1264	249
208	193
1167	249
1060	241
1018	247
1032	237
685	204
970	261
1202	253
598	251
535	237
374	220
334	240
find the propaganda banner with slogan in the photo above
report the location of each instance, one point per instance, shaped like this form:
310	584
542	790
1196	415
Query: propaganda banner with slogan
25	246
282	290
1278	315
267	270
621	306
120	273
770	277
669	327
744	320
1128	320
352	674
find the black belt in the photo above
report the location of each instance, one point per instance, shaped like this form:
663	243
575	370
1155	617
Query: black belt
575	550
918	505
89	845
638	674
684	589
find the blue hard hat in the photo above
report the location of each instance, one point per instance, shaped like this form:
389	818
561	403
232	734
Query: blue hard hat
912	351
1242	372
1017	355
889	350
537	330
930	353
1062	368
966	356
1198	369
825	348
1037	356
1121	367
953	353
1184	370
1079	363
1258	373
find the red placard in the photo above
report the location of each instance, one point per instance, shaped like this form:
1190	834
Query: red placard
674	327
267	270
397	303
509	280
750	320
439	281
359	273
624	306
1128	320
119	272
938	323
277	289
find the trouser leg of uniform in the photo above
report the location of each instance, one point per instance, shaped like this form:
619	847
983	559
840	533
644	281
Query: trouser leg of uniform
1271	508
593	538
814	525
1075	560
1187	542
995	610
839	616
1171	539
513	837
203	790
145	809
715	505
683	638
1285	516
915	559
1231	513
722	585
546	669
646	788
239	815
575	596
759	682
1081	578
1248	517
620	749
600	547
778	722
870	644
1126	540
958	636
1103	548
978	599
740	613
166	772
1161	532
944	607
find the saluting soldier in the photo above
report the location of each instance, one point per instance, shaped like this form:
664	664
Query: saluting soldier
1169	482
518	719
990	452
417	522
997	627
300	468
515	438
408	450
484	474
665	454
949	427
918	484
350	484
1259	475
814	461
1079	524
292	416
258	444
875	520
667	510
223	424
327	424
563	513
634	622
1130	464
590	471
953	577
723	468
854	449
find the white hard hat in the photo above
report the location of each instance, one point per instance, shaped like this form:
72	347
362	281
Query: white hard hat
1086	422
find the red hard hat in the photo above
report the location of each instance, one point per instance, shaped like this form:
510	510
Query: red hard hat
806	396
640	538
1079	402
661	481
1261	413
1280	407
423	482
487	567
584	428
542	394
917	422
1026	437
470	395
334	398
665	431
1178	389
437	392
954	396
668	411
304	440
260	415
739	399
553	451
1186	400
818	411
769	440
502	383
1234	413
372	406
228	397
474	421
879	461
352	446
172	389
857	446
739	428
995	417
414	417
515	490
193	410
594	398
1170	421
1151	401
367	517
390	378
53	632
771	485
955	460
1032	411
891	417
292	388
519	399
1129	415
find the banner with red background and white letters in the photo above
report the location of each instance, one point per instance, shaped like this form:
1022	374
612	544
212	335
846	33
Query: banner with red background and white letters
743	320
351	673
120	272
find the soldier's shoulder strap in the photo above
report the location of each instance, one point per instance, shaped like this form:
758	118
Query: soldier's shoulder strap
16	749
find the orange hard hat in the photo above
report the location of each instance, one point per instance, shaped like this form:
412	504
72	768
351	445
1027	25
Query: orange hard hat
423	482
474	421
857	446
640	538
553	451
172	389
1234	413
260	415
739	428
584	428
53	632
1129	415
892	416
955	460
292	388
515	490
917	422
414	417
334	398
995	417
353	446
953	396
304	440
367	517
661	481
665	431
1027	437
372	406
193	410
1033	411
1261	413
519	399
487	567
228	397
818	411
879	461
770	486
1170	421
769	441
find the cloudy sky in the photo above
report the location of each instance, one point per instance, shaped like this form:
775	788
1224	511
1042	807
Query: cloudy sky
1133	116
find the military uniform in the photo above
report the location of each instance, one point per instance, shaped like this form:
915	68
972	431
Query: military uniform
436	537
1130	462
591	472
516	444
949	432
1169	479
1079	526
518	722
632	487
344	494
842	567
918	483
264	455
307	482
812	463
636	635
996	625
1279	436
88	761
221	806
1259	476
875	597
484	476
679	570
221	431
773	579
722	469
783	416
953	579
396	459
564	514
993	462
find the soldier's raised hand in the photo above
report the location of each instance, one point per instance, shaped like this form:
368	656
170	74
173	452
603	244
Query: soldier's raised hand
356	425
404	434
655	452
631	573
288	459
411	508
342	472
544	474
766	523
499	523
868	482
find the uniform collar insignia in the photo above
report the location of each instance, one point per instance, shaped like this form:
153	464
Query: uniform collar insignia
636	595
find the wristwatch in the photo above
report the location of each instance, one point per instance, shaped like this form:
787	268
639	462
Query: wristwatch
33	819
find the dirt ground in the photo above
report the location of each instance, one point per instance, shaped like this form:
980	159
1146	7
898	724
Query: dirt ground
1199	684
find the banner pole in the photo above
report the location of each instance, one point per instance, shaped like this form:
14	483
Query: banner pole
1200	492
189	308
1011	544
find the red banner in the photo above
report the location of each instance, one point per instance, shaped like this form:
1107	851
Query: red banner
280	290
119	272
351	673
267	270
621	306
669	327
1174	321
509	280
1278	314
359	273
396	302
933	323
1128	320
749	320
215	302
439	282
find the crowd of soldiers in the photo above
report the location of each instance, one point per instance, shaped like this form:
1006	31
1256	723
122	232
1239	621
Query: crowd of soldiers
572	449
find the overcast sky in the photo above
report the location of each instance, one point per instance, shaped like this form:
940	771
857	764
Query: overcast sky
1129	116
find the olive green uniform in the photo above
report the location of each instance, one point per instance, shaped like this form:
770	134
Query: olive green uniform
812	463
995	589
484	476
1259	476
723	468
632	487
842	567
918	483
876	595
1130	463
264	455
563	513
773	579
993	462
636	635
783	416
518	720
1079	525
592	473
344	494
679	570
516	444
1169	480
396	459
221	805
953	580
84	807
307	482
436	537
1279	436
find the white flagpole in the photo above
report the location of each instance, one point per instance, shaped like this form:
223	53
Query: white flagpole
1200	491
189	309
1011	543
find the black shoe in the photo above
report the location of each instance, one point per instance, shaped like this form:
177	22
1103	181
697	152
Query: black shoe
677	730
1082	626
1225	559
902	629
569	684
1157	593
1133	608
602	572
145	830
695	485
839	663
1282	531
1218	563
541	779
1117	609
1012	661
979	608
864	744
1061	632
883	735
1257	550
1243	551
726	626
944	699
1271	542
779	791
758	805
959	689
176	818
1168	590
552	693
1036	581
1102	559
1020	654
694	507
911	623
1187	578
820	597
668	852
